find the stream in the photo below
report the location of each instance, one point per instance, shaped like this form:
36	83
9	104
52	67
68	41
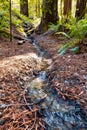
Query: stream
57	113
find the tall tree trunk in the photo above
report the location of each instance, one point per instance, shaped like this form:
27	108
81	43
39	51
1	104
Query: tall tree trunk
80	8
67	7
24	7
49	14
61	8
38	8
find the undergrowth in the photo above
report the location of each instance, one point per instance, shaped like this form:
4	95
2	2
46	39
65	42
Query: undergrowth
17	19
77	30
4	17
55	27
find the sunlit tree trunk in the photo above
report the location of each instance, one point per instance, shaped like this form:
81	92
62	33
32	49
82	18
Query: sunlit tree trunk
49	14
24	7
61	9
67	7
80	8
38	8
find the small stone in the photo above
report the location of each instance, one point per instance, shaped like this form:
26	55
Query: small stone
73	123
21	42
16	93
85	77
2	95
69	56
3	106
1	114
76	74
2	122
77	110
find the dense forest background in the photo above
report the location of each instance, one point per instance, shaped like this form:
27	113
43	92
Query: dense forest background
67	17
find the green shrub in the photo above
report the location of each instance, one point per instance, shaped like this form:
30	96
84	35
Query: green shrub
17	18
77	31
4	16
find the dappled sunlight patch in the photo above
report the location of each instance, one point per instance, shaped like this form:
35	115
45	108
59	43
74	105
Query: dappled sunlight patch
20	65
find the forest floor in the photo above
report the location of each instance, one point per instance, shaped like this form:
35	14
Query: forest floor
69	71
18	63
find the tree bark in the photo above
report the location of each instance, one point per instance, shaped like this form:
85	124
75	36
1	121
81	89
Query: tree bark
49	14
38	8
67	7
61	9
24	7
80	9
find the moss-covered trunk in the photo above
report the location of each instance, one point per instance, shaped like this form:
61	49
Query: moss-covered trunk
49	14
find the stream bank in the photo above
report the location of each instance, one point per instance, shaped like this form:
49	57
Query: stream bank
69	72
57	113
40	96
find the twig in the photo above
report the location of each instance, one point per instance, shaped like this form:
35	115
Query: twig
34	122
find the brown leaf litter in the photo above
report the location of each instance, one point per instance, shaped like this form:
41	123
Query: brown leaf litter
17	64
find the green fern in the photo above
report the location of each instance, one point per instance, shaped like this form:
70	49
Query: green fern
64	34
55	27
78	30
67	46
20	17
4	16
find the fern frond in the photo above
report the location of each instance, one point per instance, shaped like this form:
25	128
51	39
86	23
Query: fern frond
64	34
67	46
54	27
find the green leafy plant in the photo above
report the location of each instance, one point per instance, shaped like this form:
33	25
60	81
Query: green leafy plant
77	31
55	27
64	34
4	16
68	45
17	18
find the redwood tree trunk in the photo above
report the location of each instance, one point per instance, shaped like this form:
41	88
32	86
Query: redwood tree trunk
49	14
80	8
24	7
67	7
38	8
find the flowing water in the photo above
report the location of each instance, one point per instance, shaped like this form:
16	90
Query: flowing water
57	113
